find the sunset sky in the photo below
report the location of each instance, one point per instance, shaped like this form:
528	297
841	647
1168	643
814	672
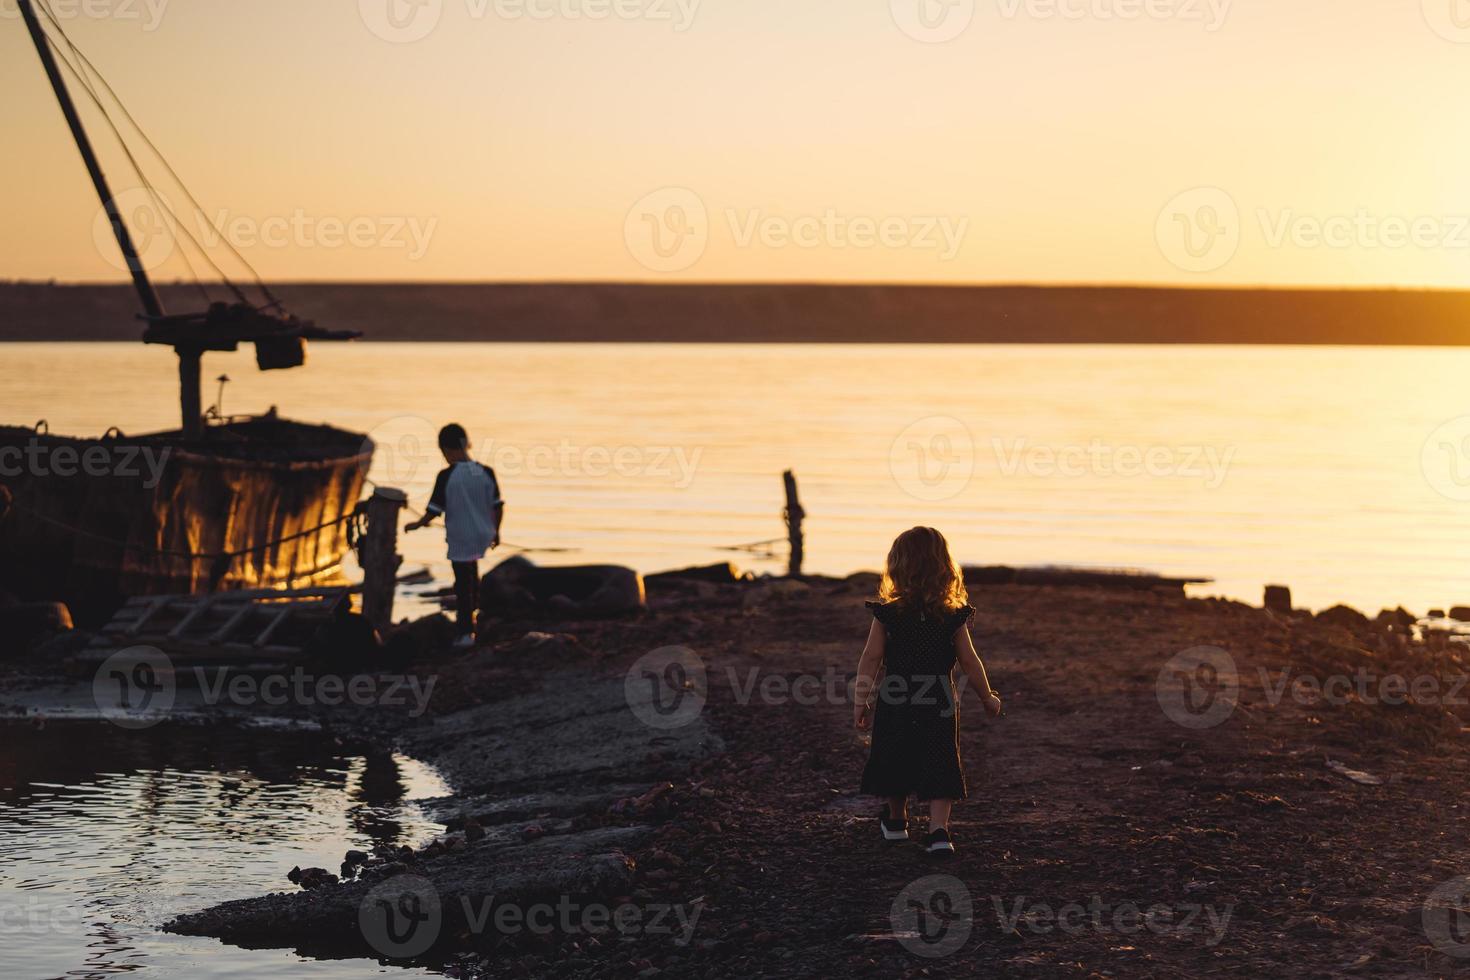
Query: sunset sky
1172	141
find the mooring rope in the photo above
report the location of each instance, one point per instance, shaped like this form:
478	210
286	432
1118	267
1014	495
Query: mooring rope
194	555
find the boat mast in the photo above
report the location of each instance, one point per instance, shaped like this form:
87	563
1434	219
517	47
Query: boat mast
189	356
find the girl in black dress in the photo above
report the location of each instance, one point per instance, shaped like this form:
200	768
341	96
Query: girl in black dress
920	632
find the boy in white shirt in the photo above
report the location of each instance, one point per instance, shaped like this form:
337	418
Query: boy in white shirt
468	496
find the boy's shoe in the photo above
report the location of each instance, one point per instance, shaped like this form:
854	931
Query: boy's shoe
939	843
893	829
466	642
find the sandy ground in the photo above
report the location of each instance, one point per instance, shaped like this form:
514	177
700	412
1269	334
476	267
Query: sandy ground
1210	823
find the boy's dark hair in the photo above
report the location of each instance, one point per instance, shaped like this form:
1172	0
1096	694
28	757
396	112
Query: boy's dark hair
453	436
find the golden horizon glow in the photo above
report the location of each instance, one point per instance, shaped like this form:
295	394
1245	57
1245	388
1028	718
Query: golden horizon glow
1048	141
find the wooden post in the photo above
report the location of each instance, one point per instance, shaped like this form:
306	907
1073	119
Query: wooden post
379	557
1278	599
794	515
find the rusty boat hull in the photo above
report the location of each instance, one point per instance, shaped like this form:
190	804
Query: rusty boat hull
255	503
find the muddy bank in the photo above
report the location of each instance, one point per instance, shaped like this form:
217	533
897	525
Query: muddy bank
1180	788
558	785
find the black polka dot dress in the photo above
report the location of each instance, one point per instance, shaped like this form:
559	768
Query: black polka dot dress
916	721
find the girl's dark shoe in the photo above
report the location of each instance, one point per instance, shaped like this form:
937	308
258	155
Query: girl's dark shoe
893	829
939	844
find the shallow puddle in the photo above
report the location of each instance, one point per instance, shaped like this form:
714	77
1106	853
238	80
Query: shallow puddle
105	835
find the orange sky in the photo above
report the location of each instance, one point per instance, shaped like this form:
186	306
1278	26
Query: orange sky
1202	142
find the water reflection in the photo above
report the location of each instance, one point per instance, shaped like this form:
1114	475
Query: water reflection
106	834
376	792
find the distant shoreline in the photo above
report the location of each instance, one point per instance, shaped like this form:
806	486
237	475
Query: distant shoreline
791	313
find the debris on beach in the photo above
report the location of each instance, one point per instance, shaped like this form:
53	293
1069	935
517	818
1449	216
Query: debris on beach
259	625
1356	775
546	648
518	585
720	573
1065	576
309	878
1344	616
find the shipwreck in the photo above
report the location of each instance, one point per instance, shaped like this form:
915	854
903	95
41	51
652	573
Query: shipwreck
236	502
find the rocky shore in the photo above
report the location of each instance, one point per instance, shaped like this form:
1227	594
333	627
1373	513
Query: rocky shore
1181	787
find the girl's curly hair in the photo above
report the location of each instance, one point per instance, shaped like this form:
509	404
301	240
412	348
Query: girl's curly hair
921	576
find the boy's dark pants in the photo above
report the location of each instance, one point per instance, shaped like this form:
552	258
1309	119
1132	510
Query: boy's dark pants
466	593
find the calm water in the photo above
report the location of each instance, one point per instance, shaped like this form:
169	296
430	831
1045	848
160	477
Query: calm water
106	835
1327	469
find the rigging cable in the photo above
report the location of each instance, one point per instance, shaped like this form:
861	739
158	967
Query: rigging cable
170	220
159	202
159	155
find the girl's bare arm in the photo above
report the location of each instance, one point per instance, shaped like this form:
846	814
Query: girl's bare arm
867	673
974	668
